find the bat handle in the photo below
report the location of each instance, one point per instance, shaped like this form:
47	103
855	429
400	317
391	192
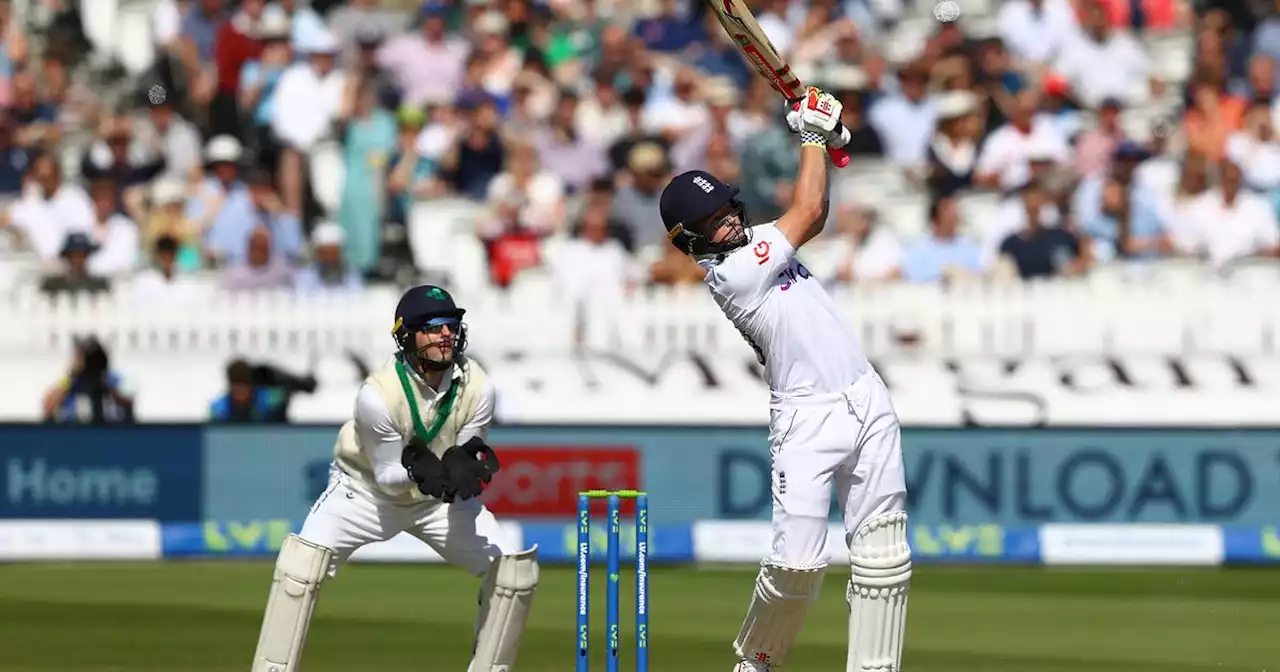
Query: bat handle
839	157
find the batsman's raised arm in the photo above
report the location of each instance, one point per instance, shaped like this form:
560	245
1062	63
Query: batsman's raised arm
816	119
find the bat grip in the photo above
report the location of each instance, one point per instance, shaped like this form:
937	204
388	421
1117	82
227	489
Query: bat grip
839	157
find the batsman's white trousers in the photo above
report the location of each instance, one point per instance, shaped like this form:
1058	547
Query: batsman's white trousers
850	441
346	516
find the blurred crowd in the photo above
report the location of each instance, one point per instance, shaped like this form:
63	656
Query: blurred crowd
563	120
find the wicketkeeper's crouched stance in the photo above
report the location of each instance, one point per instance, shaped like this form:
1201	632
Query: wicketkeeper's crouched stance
412	460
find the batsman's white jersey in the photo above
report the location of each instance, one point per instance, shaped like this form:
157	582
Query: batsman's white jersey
831	421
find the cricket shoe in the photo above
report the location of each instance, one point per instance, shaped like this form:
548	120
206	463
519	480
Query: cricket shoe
751	666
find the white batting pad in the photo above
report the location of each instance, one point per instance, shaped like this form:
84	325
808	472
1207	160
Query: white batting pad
504	607
778	607
881	572
300	568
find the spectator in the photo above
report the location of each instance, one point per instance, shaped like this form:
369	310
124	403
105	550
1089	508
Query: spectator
259	80
49	208
261	269
1006	155
601	118
1102	63
905	120
635	204
1038	250
114	235
634	101
1037	31
1119	214
1093	148
368	142
166	219
200	26
953	152
328	269
236	43
36	120
115	158
673	116
13	51
478	154
667	31
591	265
13	159
414	172
998	81
164	283
308	101
426	64
1213	117
537	195
1259	86
1178	209
499	63
561	150
1255	150
718	56
245	401
162	133
305	24
1230	223
75	276
363	66
723	120
91	392
359	19
864	140
860	249
944	255
269	213
221	206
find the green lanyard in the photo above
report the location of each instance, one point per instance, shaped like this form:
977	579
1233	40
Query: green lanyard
443	409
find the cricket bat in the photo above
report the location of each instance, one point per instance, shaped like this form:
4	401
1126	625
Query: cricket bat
741	25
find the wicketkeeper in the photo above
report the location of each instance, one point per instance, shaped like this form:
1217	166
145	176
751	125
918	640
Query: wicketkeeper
413	459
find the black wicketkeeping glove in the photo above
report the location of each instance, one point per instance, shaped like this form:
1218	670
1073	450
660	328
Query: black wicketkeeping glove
427	471
470	467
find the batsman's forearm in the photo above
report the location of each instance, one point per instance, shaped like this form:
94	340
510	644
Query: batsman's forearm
810	195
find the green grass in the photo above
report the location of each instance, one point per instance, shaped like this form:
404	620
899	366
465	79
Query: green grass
205	616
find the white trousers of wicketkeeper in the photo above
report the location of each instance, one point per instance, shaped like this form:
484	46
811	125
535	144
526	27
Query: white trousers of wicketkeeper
347	516
847	444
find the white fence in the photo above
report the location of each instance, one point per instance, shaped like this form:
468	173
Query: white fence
1045	318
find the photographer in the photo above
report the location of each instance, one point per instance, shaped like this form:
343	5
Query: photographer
91	393
258	393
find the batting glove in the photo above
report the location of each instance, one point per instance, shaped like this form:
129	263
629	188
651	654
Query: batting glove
816	118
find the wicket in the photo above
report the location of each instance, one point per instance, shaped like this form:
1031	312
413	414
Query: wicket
612	619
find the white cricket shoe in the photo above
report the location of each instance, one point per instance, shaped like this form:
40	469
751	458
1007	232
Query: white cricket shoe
751	666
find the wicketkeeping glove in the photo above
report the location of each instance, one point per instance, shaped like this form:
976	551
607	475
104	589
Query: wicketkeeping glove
470	467
426	471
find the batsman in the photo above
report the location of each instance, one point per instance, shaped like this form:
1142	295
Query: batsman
832	426
413	459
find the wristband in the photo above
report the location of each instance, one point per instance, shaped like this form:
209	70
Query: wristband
809	138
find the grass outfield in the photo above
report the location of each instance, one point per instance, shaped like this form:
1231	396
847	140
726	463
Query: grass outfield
204	616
